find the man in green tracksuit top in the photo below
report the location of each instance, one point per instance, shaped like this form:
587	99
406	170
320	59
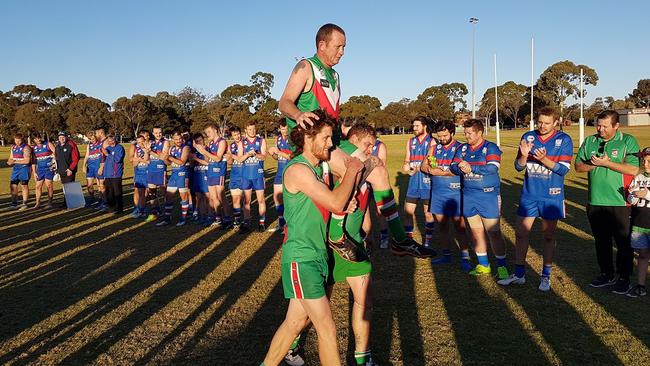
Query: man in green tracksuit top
609	157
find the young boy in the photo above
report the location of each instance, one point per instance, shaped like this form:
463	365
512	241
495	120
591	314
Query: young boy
639	197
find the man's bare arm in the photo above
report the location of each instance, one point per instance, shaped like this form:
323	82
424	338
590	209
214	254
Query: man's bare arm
299	82
299	178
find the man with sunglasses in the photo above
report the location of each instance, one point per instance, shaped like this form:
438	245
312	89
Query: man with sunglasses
610	158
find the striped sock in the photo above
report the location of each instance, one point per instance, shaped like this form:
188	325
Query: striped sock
428	231
236	212
262	219
362	357
280	210
546	270
168	210
184	208
383	234
408	229
386	203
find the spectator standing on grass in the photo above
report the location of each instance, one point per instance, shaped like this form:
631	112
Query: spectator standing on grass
112	169
67	158
639	197
609	156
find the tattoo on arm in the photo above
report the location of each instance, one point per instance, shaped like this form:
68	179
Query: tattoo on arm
299	66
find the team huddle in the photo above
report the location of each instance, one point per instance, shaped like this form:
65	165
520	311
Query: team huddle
332	175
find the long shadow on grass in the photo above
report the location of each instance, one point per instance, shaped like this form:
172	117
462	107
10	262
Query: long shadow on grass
232	288
39	299
559	331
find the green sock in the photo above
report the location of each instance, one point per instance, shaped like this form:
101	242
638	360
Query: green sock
336	227
362	357
388	208
295	343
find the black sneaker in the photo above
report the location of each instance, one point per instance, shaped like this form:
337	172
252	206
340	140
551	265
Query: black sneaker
244	228
261	228
226	225
622	286
637	291
345	248
412	248
603	280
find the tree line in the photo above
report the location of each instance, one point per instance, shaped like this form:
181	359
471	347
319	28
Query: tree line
27	108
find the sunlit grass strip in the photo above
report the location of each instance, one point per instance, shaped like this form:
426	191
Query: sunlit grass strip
124	255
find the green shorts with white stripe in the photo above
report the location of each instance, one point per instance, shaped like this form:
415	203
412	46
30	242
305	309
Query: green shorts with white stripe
305	280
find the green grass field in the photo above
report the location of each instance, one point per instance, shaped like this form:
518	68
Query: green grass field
82	287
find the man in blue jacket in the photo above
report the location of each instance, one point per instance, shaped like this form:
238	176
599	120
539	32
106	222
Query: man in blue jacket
112	169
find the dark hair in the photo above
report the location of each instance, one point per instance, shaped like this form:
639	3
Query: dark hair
609	114
36	135
156	126
196	136
101	128
446	125
282	122
140	135
142	132
177	133
474	123
298	133
325	32
19	135
547	111
235	129
361	130
426	122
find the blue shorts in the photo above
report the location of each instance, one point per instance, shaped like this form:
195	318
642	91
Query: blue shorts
418	194
178	179
235	181
256	184
44	173
278	174
640	240
92	171
156	178
20	174
547	209
218	180
446	205
486	205
140	178
200	183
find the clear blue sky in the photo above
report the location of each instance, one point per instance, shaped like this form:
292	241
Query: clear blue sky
395	49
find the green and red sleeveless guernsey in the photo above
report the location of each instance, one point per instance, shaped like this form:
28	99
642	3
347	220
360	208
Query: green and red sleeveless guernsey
306	228
325	91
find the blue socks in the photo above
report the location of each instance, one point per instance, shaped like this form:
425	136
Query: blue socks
520	270
546	271
483	259
501	260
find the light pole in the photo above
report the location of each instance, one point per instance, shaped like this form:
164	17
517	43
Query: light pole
473	21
